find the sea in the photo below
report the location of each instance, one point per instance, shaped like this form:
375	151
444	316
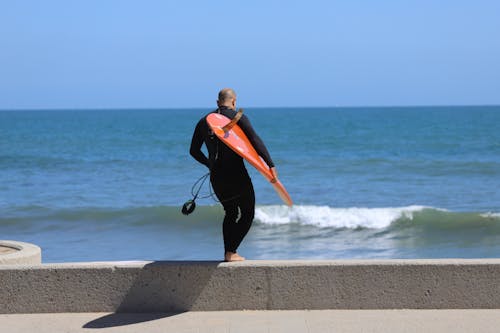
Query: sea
367	182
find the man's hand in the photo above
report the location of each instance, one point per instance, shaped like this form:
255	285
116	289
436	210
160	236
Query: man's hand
274	173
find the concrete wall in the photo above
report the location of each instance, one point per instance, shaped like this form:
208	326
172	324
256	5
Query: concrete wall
205	286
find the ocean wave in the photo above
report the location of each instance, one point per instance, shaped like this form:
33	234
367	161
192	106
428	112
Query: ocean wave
303	215
491	215
325	216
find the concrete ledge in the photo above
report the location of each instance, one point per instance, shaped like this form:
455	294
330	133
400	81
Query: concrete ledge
19	253
252	285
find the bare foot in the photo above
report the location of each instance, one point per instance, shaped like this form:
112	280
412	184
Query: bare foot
232	256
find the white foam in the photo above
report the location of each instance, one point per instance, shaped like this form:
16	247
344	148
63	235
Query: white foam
324	216
491	215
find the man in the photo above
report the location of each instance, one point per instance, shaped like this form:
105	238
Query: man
228	175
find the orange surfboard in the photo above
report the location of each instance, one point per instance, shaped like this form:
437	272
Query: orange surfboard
237	140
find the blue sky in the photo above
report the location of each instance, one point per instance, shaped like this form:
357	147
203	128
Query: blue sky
113	54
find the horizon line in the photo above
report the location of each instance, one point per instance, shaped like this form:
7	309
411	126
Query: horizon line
246	107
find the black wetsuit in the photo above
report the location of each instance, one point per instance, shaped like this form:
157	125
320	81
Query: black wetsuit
229	177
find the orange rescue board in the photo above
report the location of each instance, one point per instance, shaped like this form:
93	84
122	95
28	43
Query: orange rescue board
237	140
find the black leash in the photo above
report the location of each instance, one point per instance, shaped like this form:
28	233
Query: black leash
190	205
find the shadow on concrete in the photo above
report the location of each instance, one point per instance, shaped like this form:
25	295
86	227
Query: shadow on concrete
160	289
166	286
123	319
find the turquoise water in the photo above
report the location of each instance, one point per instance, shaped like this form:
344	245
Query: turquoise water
367	183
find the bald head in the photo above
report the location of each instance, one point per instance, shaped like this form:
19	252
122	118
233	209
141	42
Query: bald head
227	97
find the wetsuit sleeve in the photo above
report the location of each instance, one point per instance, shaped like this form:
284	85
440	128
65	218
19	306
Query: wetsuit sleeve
196	143
255	140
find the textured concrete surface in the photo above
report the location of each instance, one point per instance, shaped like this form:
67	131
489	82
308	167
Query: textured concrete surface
251	285
321	321
19	253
